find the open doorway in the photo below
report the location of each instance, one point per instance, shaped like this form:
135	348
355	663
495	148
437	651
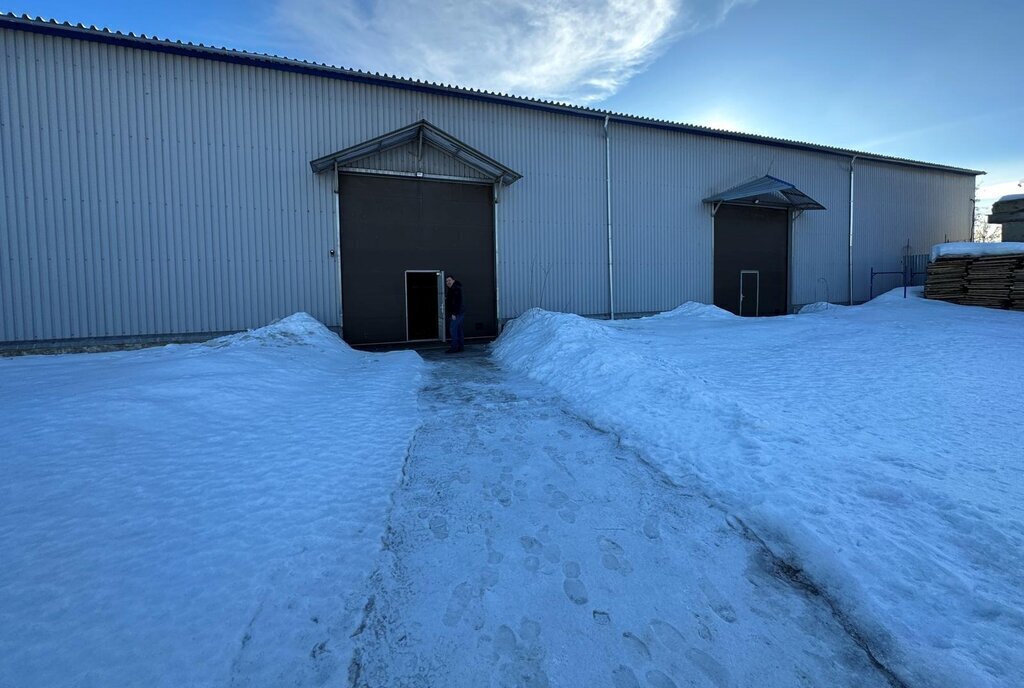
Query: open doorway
424	305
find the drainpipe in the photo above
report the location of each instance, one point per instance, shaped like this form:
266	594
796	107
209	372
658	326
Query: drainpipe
495	191
608	210
850	267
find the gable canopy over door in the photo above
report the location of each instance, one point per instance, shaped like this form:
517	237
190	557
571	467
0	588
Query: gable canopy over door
420	149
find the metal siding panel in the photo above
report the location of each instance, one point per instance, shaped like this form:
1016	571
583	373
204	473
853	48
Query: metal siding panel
894	205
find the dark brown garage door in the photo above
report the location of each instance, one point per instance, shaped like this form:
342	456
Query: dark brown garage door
752	260
390	226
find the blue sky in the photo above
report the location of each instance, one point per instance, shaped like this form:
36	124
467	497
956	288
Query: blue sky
935	81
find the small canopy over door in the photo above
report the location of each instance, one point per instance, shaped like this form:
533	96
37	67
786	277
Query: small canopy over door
752	244
767	191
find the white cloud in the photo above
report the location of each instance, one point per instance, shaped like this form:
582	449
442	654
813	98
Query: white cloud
555	49
987	193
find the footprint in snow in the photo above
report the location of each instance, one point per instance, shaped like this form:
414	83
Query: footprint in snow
439	527
623	677
575	590
657	679
652	528
636	647
717	601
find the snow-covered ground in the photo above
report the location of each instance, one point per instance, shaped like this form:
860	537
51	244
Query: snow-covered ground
213	515
527	549
202	515
877	449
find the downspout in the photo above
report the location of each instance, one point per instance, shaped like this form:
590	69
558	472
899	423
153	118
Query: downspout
608	210
496	189
974	213
337	237
850	266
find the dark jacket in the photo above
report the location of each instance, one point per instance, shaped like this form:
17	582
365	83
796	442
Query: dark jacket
453	299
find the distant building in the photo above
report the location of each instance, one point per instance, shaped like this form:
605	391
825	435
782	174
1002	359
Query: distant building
156	190
1008	211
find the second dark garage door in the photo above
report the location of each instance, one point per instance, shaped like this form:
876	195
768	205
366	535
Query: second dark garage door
752	260
390	226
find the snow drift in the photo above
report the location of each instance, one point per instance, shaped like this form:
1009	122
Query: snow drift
875	449
196	515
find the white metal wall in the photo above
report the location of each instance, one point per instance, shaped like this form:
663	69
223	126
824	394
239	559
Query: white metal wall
895	205
147	193
663	243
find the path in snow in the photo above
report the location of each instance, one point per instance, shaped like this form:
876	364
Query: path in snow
525	548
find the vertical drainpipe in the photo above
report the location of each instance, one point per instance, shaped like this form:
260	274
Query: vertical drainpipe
608	210
850	267
337	238
495	190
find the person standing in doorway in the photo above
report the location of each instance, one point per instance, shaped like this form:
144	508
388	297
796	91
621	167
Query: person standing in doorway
456	310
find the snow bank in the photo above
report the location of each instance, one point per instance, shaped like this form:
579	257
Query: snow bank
299	329
819	307
695	309
201	515
858	447
975	249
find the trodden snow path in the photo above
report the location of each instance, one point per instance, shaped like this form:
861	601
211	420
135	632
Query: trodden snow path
525	548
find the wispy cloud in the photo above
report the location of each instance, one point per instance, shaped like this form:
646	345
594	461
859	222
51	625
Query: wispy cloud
993	191
568	50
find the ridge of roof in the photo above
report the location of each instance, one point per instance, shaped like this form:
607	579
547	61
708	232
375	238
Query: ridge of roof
38	24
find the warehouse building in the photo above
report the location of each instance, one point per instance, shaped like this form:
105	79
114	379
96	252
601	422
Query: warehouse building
155	190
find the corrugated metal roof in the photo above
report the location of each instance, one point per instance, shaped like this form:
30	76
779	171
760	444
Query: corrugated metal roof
144	42
767	190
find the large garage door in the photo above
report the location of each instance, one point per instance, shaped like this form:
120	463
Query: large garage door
752	260
391	226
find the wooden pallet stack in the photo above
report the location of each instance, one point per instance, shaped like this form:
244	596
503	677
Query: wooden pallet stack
991	281
988	281
945	279
1017	290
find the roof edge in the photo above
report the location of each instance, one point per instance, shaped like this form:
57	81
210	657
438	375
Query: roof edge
154	44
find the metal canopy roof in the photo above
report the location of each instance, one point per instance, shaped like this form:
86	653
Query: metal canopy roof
767	191
426	133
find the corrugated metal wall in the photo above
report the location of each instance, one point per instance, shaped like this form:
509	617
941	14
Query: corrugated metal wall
663	243
894	206
149	194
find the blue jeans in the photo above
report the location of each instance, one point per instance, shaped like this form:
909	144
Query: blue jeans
456	332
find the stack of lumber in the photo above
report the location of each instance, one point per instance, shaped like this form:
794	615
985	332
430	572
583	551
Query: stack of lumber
993	281
1017	290
945	279
989	280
